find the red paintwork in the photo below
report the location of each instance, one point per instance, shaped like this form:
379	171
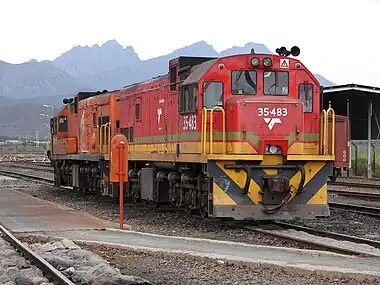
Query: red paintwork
241	110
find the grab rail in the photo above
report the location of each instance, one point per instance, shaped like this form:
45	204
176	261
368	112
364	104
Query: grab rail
204	129
323	141
105	129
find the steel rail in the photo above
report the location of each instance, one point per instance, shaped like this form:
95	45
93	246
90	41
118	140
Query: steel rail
337	236
375	196
275	227
365	210
26	176
49	271
354	184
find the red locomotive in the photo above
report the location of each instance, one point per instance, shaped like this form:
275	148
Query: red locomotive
241	136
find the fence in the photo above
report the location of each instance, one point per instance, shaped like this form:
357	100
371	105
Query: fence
359	157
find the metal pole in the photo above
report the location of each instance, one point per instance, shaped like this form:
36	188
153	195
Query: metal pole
349	146
369	160
121	183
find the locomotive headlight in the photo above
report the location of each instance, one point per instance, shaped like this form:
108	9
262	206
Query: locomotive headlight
255	61
273	149
267	62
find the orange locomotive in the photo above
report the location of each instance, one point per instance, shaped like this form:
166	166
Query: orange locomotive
241	136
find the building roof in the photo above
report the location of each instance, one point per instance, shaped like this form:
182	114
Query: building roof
351	87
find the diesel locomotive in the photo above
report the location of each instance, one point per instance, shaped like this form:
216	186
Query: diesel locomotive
240	137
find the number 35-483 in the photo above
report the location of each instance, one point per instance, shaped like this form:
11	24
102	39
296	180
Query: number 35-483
272	111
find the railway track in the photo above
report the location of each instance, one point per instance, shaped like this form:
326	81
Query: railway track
278	229
357	194
51	273
27	176
45	168
364	210
355	184
281	230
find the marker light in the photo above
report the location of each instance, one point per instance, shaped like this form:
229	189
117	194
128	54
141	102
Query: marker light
267	62
255	61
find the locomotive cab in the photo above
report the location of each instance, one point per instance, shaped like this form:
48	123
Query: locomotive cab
263	132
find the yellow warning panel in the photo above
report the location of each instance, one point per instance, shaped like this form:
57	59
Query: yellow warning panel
284	63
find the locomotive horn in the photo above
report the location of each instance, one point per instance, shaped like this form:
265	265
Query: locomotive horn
65	101
283	50
295	51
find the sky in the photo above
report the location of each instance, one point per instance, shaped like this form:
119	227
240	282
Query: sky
338	38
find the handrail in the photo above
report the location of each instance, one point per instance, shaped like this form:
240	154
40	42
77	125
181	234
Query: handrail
223	128
204	129
103	129
323	140
101	139
332	128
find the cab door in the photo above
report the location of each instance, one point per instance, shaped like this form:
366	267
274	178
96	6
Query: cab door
189	126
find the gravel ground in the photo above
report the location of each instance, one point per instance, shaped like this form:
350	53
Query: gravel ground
146	219
79	265
15	269
169	268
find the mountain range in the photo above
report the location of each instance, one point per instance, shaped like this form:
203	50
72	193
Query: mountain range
25	87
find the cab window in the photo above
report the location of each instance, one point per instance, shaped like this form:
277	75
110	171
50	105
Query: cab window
243	82
53	126
213	94
62	124
306	95
276	83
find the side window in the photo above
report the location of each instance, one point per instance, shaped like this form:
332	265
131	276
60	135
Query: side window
62	127
188	100
213	94
128	133
137	111
94	119
306	95
276	83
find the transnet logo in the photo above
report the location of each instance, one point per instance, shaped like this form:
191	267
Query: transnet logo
271	122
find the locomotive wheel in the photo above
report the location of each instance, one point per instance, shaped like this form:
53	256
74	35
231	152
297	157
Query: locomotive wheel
203	211
334	176
189	211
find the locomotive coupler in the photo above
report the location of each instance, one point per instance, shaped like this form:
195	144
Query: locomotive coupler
249	168
277	185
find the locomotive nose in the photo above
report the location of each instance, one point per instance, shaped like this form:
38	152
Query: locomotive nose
274	123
